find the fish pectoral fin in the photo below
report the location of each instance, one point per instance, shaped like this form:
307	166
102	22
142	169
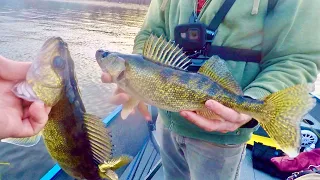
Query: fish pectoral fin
217	70
26	142
108	167
115	163
208	114
4	164
109	174
128	107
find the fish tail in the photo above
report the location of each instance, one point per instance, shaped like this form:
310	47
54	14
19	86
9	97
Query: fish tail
107	169
282	114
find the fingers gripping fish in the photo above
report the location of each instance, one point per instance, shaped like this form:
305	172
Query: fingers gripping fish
78	141
159	78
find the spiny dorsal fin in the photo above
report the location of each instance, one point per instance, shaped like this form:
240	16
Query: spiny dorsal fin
100	140
159	50
217	70
26	142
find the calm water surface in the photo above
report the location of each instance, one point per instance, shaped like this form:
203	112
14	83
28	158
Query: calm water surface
86	26
25	25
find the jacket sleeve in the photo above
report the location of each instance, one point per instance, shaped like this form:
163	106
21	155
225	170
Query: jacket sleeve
153	23
291	47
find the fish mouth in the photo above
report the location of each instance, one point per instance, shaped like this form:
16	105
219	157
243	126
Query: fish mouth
100	54
54	42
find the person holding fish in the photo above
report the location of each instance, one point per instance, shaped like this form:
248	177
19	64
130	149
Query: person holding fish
260	53
78	141
18	118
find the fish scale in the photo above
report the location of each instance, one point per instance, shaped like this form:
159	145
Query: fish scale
79	142
159	77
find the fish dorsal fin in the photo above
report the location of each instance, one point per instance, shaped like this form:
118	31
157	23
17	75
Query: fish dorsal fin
164	52
216	69
100	140
25	142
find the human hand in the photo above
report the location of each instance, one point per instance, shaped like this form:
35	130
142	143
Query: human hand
18	118
121	97
230	120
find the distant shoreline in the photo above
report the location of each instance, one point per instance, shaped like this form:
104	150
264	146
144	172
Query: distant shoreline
107	3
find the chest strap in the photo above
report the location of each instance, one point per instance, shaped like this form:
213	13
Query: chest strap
230	53
235	54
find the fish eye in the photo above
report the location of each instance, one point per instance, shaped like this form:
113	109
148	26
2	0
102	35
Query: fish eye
105	54
59	62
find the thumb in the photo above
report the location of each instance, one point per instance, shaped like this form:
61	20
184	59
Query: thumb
38	115
8	69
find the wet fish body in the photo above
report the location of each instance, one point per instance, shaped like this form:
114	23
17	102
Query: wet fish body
78	141
173	89
159	77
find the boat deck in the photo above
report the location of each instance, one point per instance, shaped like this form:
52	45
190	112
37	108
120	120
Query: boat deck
150	159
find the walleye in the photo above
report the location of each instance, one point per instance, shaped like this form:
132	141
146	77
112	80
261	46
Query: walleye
158	77
79	142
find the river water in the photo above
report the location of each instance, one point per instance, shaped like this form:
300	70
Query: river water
86	26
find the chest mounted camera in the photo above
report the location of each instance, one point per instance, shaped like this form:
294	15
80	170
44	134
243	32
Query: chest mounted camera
190	37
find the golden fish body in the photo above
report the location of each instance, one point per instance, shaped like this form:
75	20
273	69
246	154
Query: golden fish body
159	77
79	142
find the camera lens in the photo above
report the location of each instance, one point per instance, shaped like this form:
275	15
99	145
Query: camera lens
193	34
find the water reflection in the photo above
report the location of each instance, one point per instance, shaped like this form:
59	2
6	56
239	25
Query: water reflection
25	25
86	27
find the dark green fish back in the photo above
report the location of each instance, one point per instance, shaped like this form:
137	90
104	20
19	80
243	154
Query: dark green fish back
79	142
67	142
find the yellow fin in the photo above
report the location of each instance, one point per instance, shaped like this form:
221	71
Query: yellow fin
26	142
100	140
109	174
216	69
206	113
128	107
164	52
5	163
108	167
282	114
115	163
